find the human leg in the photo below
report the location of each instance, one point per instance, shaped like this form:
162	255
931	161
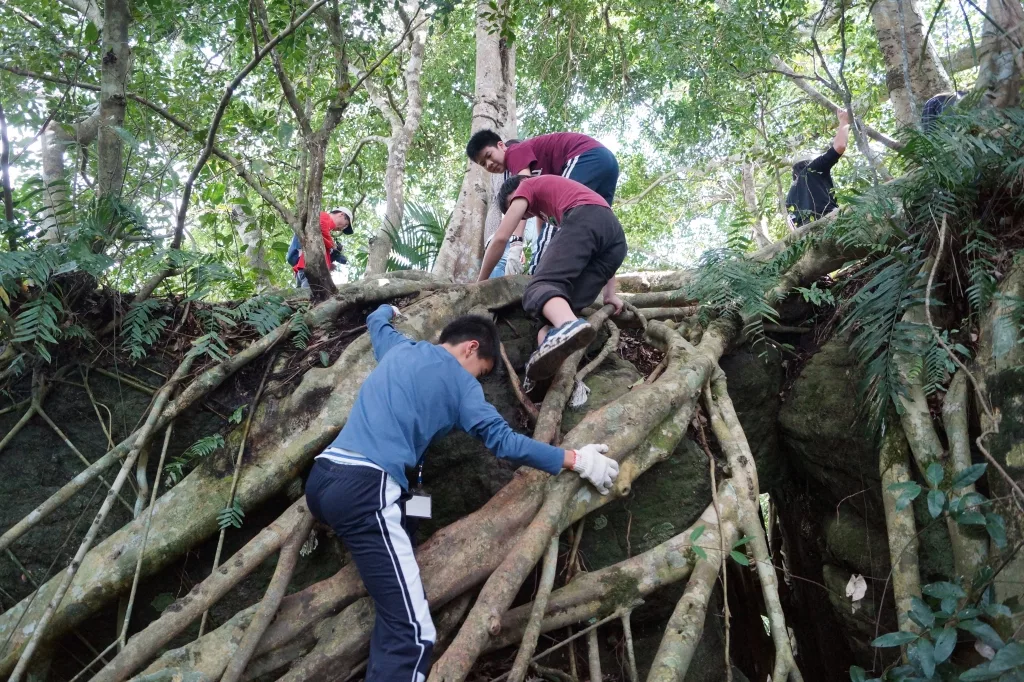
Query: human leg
361	505
300	279
550	294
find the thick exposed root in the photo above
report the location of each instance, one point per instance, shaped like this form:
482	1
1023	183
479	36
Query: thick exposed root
620	588
143	645
540	605
271	601
686	625
970	545
727	429
901	529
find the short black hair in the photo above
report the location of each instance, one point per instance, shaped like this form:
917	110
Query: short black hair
799	167
474	328
508	188
481	140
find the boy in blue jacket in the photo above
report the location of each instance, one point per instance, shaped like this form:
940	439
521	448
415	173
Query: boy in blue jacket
417	392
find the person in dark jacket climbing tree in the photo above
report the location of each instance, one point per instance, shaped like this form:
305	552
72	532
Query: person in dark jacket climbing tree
812	193
338	219
358	485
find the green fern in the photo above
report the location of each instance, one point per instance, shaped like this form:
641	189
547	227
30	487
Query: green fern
416	243
875	316
727	283
175	470
36	324
143	325
264	313
211	345
231	516
301	331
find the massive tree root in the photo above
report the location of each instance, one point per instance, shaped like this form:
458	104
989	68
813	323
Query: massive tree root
727	429
313	631
187	514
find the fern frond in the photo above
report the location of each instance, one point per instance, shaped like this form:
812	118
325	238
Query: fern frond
36	324
143	325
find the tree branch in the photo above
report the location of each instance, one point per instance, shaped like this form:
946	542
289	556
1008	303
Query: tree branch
287	86
229	91
824	101
359	147
236	163
385	107
88	8
398	43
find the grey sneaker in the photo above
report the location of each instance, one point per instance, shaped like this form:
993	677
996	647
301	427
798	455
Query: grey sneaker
559	344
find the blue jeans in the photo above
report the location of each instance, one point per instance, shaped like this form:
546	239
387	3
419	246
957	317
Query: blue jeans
499	269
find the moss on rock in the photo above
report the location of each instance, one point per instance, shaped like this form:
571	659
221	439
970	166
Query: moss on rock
823	437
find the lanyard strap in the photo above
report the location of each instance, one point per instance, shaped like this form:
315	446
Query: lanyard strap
419	476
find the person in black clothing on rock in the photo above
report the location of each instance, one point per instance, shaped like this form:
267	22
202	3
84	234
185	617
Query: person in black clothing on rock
812	194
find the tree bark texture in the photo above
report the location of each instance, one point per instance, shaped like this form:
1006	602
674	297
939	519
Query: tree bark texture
1002	62
914	72
1000	372
494	107
402	133
5	180
113	103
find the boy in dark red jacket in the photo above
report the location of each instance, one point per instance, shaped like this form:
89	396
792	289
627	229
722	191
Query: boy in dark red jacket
572	155
583	256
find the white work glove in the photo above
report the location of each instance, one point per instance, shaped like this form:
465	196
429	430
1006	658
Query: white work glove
396	313
514	259
592	465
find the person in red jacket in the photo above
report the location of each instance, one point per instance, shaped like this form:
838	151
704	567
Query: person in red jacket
338	219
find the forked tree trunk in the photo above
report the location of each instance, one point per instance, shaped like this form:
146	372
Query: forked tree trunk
999	76
402	133
914	72
494	108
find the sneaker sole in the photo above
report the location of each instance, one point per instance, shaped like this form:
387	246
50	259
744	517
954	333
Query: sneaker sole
547	365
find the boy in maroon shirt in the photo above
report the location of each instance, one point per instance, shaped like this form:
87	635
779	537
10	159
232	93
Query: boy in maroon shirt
571	155
585	252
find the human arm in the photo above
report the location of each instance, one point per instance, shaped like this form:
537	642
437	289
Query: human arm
842	137
293	251
610	297
516	212
383	335
479	418
338	256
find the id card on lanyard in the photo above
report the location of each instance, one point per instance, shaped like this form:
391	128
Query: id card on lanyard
418	506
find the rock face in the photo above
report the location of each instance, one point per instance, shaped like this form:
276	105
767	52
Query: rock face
832	518
37	463
822	436
755	379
